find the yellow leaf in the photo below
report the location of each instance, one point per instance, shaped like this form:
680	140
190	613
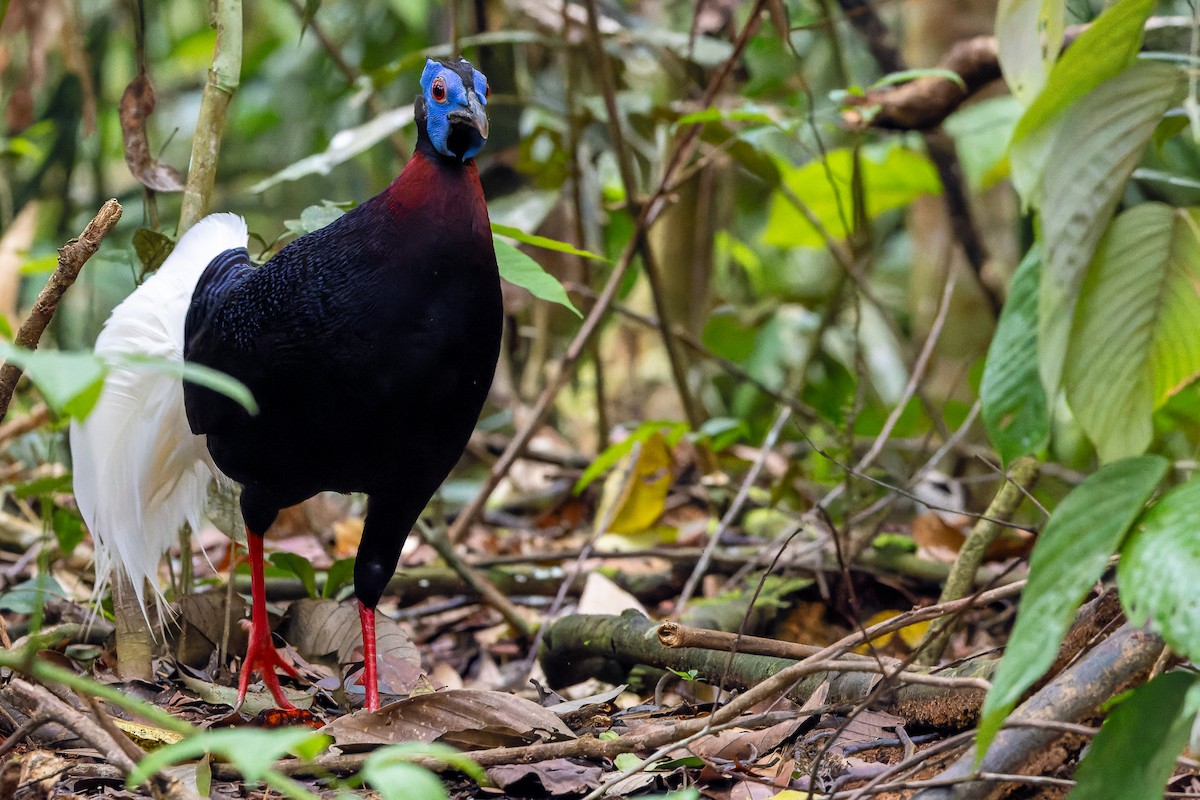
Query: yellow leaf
635	492
911	635
146	737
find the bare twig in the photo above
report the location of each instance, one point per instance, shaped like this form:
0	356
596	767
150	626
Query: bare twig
71	258
734	510
970	555
648	214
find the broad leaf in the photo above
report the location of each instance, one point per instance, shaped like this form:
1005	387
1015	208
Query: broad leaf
1158	569
1105	48
1135	340
1134	754
543	242
252	751
1093	149
1015	410
198	374
299	566
1069	557
892	178
391	772
70	382
1029	35
344	145
521	270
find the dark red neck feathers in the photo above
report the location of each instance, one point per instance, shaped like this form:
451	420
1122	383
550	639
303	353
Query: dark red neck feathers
431	185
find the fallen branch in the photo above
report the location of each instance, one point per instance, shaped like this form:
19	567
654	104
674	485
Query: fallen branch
1120	662
71	258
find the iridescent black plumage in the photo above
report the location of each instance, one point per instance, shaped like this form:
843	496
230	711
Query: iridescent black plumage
369	346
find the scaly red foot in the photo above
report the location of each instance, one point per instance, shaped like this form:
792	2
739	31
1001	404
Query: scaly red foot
263	658
261	655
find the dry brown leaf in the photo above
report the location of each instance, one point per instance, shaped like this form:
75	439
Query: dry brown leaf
322	628
556	776
137	103
203	619
738	744
469	719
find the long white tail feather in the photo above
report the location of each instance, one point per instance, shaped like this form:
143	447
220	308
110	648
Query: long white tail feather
140	473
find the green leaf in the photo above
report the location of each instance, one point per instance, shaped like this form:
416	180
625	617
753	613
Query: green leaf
28	596
892	178
68	529
313	218
195	373
1092	151
340	573
1134	340
726	115
152	248
1013	401
1133	755
519	269
542	241
300	567
70	382
905	75
981	134
1104	49
390	771
252	751
1158	569
1029	36
343	146
1069	557
673	431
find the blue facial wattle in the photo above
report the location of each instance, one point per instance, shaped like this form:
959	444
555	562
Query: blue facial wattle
455	105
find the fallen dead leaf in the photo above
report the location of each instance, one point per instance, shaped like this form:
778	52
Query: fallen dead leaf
469	719
322	628
137	103
555	777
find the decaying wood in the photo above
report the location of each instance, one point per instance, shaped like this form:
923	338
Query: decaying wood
1118	663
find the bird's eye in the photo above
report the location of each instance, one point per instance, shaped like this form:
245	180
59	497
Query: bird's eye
439	90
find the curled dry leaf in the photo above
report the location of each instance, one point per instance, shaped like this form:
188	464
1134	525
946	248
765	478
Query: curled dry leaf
556	777
322	628
203	619
469	719
136	105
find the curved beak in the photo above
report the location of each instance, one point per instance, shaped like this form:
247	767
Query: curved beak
474	115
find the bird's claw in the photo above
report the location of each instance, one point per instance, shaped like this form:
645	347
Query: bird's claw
263	658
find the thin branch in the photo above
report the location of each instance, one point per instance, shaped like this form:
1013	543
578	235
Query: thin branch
71	258
649	213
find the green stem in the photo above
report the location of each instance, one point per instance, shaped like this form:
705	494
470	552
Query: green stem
223	80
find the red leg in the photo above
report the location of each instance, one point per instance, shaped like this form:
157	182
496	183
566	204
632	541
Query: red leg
370	679
261	656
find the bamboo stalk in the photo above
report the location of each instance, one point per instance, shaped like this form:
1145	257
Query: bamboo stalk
223	80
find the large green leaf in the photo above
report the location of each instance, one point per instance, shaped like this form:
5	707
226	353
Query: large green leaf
253	751
1105	48
1069	557
543	242
1029	35
70	382
1094	148
1158	569
521	270
1015	410
1134	754
892	178
1135	338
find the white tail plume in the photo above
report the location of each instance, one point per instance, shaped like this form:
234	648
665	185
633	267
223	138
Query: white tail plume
140	473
